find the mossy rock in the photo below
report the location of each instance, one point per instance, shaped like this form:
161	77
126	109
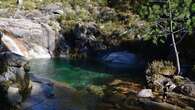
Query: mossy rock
161	67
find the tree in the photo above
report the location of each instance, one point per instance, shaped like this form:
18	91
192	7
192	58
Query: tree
171	19
173	38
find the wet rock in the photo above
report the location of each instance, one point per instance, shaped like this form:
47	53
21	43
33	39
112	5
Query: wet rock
145	93
48	90
47	86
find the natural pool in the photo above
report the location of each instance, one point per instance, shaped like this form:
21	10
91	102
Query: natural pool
80	73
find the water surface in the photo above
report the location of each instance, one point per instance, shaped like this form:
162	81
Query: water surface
80	73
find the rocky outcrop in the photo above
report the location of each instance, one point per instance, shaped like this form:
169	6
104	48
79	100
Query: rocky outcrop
81	41
28	38
14	80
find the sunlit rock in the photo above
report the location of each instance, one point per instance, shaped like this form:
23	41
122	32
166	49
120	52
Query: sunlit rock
23	36
145	93
14	95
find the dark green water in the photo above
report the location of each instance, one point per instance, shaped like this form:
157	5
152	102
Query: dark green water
79	73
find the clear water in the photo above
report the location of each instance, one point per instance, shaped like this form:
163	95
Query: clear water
79	73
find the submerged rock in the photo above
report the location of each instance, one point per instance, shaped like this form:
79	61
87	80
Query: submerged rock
121	58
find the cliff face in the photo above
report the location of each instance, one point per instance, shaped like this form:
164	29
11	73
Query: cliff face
28	38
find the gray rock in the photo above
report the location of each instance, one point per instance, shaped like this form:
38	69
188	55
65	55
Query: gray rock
51	8
86	32
14	80
121	58
12	59
59	12
36	39
146	93
14	96
187	89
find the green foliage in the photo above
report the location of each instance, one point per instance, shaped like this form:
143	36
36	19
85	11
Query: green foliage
193	7
159	14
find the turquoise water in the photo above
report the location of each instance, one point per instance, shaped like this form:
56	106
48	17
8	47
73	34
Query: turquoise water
69	72
79	73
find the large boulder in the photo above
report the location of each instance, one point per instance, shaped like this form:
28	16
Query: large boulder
121	58
28	38
14	80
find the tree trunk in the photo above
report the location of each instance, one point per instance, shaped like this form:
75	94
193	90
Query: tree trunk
173	40
19	2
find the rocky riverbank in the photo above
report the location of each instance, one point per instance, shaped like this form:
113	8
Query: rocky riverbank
81	29
51	95
122	94
14	80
